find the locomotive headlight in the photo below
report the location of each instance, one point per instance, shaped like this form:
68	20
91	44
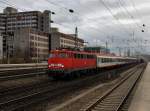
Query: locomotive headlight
56	65
60	65
51	65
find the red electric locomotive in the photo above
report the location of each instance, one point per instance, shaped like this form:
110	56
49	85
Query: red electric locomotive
65	62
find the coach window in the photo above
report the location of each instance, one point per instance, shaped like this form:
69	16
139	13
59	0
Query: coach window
99	60
113	60
102	60
109	59
106	59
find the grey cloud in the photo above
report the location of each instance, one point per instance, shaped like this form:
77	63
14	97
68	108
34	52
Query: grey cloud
94	20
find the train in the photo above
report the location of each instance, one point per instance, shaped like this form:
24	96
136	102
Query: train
70	62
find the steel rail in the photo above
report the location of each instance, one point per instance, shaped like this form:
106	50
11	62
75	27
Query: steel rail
18	76
50	92
106	101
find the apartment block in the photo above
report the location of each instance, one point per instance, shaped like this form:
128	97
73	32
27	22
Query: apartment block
11	19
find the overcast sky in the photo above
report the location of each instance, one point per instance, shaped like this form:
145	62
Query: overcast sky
98	21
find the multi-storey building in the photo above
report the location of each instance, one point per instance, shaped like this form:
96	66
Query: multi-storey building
61	40
2	23
98	49
12	20
27	35
29	44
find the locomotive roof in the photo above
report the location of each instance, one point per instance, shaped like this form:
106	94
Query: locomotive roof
97	54
117	57
71	51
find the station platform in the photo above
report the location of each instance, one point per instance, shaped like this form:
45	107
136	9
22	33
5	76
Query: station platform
141	99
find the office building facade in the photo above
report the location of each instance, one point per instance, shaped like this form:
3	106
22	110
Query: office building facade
61	40
29	44
12	20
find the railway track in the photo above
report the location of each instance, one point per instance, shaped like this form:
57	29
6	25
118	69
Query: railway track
4	77
14	71
9	75
15	98
113	99
20	97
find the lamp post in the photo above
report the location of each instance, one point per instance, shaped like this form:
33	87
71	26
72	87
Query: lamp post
51	21
143	29
76	36
50	16
50	30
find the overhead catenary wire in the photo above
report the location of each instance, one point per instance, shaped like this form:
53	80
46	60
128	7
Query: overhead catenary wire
7	3
49	2
74	13
134	7
62	7
78	15
55	22
98	30
131	16
137	11
127	11
12	5
110	11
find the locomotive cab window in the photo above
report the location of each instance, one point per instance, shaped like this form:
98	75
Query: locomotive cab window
82	56
77	56
63	55
52	55
85	56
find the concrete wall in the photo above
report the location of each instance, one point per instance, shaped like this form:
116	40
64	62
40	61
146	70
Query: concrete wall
27	41
21	43
46	21
55	41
